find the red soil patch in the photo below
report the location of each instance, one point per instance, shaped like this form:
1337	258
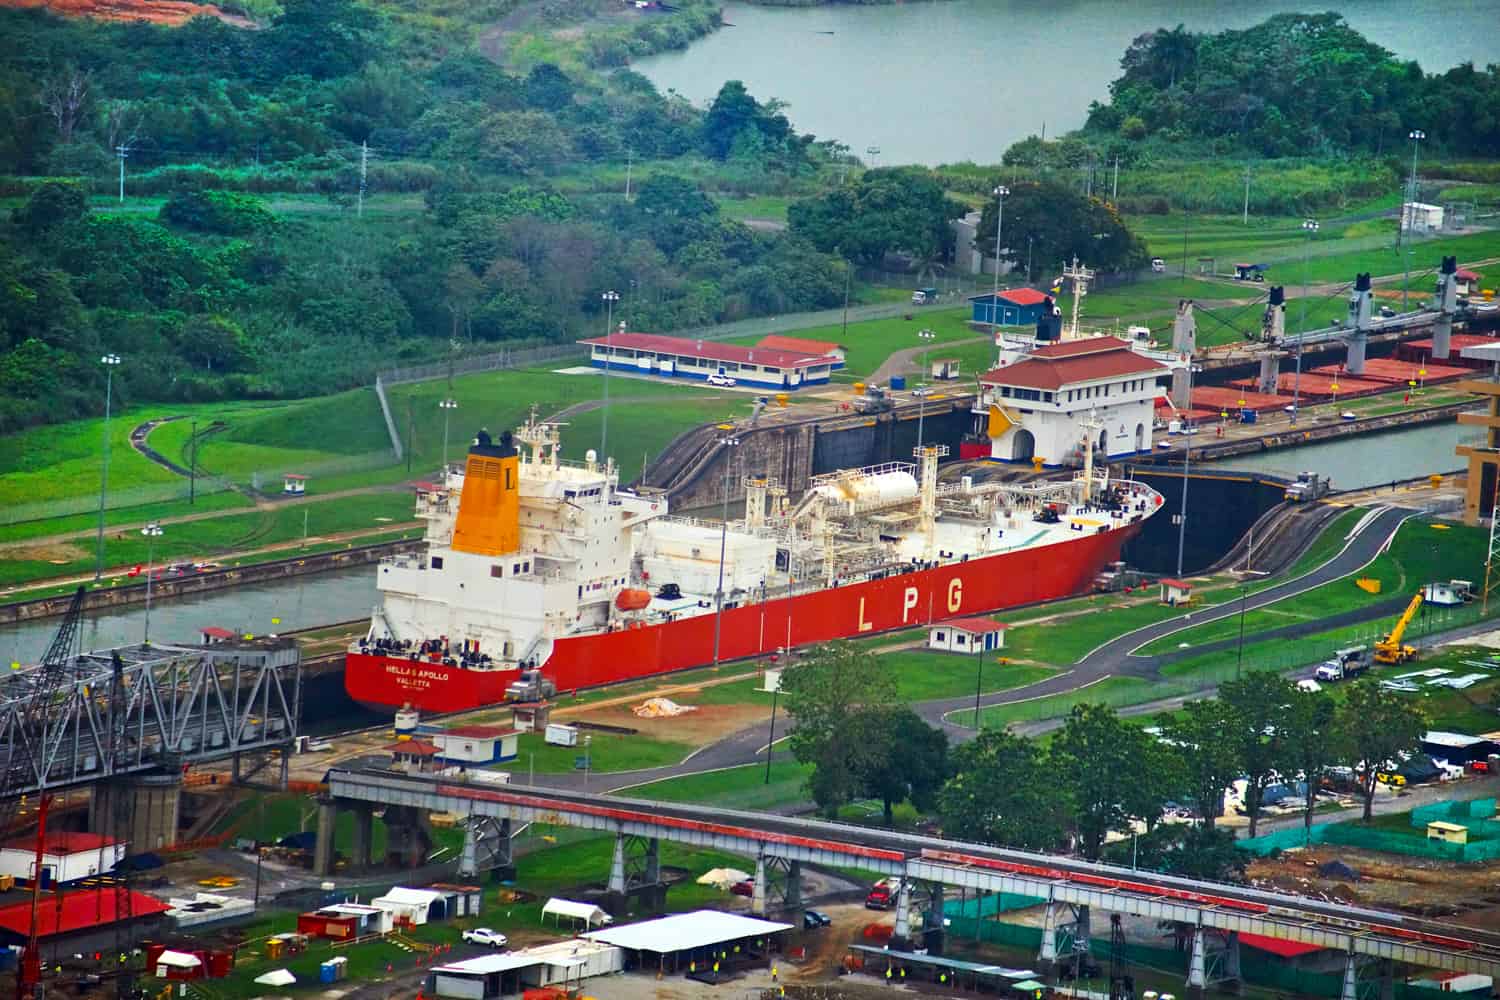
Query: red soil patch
169	12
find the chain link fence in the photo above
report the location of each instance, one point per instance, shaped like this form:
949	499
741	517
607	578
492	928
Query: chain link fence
137	496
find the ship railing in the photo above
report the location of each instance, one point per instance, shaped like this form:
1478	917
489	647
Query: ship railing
847	475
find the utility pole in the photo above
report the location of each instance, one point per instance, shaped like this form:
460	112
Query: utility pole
771	742
610	298
193	465
109	361
848	275
1309	226
152	532
122	151
1247	197
364	165
629	167
726	443
1187	455
411	427
1114	188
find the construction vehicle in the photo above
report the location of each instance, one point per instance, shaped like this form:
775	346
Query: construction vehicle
530	686
1345	664
1390	649
1309	486
873	400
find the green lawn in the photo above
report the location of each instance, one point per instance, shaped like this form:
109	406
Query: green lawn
203	502
1117	691
1422	551
63	460
924	675
764	206
197	540
1067	640
608	752
732	788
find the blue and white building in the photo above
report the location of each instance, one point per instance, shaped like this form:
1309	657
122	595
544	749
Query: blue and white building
683	357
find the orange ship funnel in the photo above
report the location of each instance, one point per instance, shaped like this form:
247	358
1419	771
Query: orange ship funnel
489	509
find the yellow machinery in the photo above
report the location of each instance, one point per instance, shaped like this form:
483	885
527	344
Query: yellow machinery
1390	649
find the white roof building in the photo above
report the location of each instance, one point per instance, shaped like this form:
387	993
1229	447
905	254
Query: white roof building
408	905
590	914
686	932
1043	405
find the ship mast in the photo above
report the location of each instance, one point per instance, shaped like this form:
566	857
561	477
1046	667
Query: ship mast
928	456
1090	425
1081	277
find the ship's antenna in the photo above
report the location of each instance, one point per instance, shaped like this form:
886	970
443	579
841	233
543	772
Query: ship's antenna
1081	277
1090	425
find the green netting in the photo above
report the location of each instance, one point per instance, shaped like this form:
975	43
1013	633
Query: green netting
995	932
1476	815
990	904
1483	847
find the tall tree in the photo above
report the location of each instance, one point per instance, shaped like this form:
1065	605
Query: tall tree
1373	726
1098	759
1312	743
828	695
1259	703
1003	792
1059	223
912	761
900	209
1208	761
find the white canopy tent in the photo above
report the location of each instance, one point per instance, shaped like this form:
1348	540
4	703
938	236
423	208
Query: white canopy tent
176	960
586	913
276	977
723	878
686	931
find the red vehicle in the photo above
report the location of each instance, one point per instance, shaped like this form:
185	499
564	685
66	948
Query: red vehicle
880	898
745	888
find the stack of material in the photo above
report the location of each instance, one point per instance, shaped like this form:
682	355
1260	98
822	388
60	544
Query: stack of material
661	708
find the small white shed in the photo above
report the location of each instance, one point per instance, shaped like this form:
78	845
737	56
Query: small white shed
586	914
966	635
1175	592
408	906
476	744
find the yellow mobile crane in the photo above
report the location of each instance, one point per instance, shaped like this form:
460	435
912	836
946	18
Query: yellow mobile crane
1390	649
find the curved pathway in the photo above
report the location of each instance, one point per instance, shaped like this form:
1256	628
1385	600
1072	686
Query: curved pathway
138	435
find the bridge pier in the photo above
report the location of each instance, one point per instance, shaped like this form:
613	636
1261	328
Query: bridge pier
328	815
794	908
616	886
487	847
142	809
1184	329
933	927
758	897
363	848
635	876
1214	966
901	938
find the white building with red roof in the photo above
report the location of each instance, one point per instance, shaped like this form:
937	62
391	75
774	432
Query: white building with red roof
1040	406
683	357
66	856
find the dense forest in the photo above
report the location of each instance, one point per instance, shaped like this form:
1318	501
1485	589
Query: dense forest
214	293
1294	85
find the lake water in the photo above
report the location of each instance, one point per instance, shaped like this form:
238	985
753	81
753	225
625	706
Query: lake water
955	80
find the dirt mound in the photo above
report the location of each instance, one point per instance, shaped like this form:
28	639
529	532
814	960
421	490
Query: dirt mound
59	553
170	12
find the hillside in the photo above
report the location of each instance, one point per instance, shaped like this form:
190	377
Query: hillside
169	12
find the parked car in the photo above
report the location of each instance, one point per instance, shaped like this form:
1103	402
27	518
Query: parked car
485	936
745	888
813	919
880	898
719	378
1158	265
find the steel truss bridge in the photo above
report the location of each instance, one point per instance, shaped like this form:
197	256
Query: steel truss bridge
147	708
1212	910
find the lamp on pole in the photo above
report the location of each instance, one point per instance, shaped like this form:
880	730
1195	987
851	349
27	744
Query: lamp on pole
1239	649
872	152
724	442
1000	192
1029	241
1187	454
610	298
109	361
978	678
1310	227
771	741
152	532
1409	214
447	406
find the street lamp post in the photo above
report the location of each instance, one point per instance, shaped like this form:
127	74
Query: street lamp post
152	532
1187	455
610	298
872	152
1000	192
978	679
1029	241
1310	227
927	337
109	361
724	442
1239	650
1410	213
771	741
448	406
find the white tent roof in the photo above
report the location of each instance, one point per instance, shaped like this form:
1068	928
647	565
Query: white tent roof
685	931
578	911
276	977
486	964
179	960
722	877
403	896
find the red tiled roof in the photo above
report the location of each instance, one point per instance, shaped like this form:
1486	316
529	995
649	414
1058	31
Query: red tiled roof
776	342
1057	365
419	748
1016	296
1179	584
80	910
1464	274
215	632
1277	946
708	350
63	842
479	732
974	626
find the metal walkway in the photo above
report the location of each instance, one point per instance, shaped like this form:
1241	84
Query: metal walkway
1205	906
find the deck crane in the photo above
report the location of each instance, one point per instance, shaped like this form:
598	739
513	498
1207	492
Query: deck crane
1389	649
25	765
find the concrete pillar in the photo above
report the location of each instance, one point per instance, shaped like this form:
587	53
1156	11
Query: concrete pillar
1233	982
468	861
794	892
617	866
653	861
363	848
1185	329
758	900
1270	369
1387	979
1081	929
143	810
903	912
1197	978
1351	977
328	815
1048	954
933	940
1181	385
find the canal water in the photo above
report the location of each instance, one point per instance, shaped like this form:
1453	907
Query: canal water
956	80
301	602
1369	460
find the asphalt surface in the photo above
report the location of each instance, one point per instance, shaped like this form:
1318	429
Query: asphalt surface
1113	658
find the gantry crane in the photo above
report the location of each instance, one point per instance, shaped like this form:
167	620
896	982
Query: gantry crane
1389	649
23	755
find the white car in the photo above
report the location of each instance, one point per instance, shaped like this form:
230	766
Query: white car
719	378
485	936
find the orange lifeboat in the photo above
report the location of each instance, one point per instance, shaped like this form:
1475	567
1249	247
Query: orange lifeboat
632	599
